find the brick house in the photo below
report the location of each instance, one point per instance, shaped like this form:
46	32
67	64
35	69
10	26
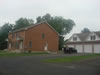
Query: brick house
38	37
85	42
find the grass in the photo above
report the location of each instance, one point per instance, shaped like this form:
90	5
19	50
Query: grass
2	53
70	58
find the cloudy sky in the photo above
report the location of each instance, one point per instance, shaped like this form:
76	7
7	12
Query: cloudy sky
85	13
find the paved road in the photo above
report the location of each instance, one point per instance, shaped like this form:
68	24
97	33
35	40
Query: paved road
31	65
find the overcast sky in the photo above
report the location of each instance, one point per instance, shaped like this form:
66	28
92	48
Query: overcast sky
85	13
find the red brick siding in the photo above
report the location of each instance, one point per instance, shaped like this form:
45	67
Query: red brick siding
34	34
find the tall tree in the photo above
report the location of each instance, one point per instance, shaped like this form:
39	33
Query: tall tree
4	30
46	17
39	19
23	22
85	30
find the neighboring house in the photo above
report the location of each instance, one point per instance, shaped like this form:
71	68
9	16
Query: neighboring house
85	42
39	37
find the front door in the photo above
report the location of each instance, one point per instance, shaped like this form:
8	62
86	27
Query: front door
21	45
9	45
46	47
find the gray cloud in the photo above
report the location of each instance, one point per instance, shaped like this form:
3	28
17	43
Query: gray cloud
85	13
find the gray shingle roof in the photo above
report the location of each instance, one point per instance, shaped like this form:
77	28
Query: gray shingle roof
98	33
25	28
83	36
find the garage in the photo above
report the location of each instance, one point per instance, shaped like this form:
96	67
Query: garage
79	48
97	48
88	48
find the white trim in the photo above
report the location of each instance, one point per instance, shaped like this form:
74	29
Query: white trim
71	38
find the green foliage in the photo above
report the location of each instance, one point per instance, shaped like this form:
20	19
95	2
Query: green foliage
61	42
70	58
4	35
6	54
39	19
85	30
23	22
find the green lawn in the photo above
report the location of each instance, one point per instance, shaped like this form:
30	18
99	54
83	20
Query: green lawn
70	58
2	53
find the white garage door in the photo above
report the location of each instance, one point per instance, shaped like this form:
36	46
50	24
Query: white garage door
79	48
88	48
97	48
71	46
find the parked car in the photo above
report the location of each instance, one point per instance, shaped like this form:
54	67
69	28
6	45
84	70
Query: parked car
70	50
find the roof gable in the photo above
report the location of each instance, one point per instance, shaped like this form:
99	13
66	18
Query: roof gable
26	28
74	35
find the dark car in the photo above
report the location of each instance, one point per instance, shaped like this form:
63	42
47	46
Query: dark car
70	50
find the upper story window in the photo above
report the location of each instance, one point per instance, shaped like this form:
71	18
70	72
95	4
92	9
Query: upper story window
43	36
16	34
92	37
74	38
13	35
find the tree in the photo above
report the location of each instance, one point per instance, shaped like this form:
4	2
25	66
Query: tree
46	17
61	25
39	19
23	22
85	30
4	30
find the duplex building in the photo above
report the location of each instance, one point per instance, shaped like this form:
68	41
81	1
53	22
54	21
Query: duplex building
38	37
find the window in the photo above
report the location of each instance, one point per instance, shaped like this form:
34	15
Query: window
16	34
43	36
74	38
12	45
13	35
30	44
17	45
92	37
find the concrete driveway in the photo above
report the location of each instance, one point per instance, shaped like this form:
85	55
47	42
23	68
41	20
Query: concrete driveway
31	65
